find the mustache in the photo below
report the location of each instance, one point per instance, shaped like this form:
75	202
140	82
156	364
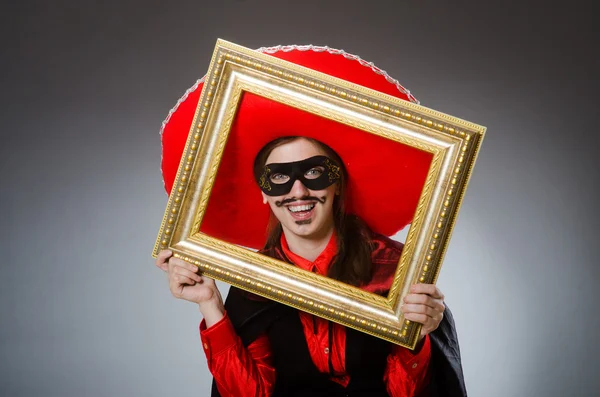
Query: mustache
305	198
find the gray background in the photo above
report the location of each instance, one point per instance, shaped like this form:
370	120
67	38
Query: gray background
85	86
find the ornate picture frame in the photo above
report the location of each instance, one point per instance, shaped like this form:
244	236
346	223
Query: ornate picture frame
453	144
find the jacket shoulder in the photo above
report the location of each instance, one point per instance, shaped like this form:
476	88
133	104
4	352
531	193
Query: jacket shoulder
385	250
384	258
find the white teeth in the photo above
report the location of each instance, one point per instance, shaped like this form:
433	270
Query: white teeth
298	208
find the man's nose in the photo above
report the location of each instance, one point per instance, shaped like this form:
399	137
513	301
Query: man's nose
298	189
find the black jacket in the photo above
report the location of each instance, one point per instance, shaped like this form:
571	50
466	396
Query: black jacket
252	316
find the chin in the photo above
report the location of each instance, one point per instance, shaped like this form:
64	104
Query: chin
313	229
303	230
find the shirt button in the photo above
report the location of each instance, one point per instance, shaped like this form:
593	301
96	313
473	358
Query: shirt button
206	346
414	365
326	350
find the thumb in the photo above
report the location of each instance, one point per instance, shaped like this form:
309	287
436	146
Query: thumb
209	282
162	260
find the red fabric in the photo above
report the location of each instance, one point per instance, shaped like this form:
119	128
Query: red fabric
243	372
323	262
341	67
238	371
391	175
316	329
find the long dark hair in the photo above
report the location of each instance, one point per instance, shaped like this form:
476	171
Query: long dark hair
352	264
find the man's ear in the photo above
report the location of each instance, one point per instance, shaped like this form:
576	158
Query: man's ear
264	197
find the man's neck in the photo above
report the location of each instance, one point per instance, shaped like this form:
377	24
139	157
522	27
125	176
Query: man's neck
308	248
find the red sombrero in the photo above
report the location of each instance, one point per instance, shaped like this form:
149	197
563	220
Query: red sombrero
385	178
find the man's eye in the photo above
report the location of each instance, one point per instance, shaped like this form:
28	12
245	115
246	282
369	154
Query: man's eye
314	172
279	178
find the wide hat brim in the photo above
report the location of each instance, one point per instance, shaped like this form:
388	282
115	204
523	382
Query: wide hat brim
385	178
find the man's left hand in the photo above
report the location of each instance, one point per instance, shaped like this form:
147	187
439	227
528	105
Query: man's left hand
425	305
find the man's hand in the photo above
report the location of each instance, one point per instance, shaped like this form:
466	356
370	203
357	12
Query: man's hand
185	283
425	305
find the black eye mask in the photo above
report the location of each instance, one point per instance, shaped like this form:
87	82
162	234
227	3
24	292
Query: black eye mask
289	173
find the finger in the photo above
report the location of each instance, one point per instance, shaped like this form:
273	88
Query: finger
177	280
164	254
431	324
420	309
418	318
429	289
187	273
183	264
209	282
421	299
436	304
161	259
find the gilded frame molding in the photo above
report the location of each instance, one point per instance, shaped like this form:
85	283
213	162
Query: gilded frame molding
454	144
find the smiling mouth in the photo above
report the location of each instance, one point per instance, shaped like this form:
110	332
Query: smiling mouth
301	212
301	208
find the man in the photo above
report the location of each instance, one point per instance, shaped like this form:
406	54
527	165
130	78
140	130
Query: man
257	347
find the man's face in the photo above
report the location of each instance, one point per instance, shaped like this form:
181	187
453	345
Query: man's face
304	212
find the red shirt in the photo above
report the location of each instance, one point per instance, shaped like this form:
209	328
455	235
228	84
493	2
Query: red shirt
240	371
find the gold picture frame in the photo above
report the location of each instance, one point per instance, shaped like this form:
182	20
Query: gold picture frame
453	143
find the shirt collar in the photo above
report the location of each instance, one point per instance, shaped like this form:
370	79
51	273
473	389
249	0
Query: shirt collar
323	262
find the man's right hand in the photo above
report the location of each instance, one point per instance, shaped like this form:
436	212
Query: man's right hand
185	283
